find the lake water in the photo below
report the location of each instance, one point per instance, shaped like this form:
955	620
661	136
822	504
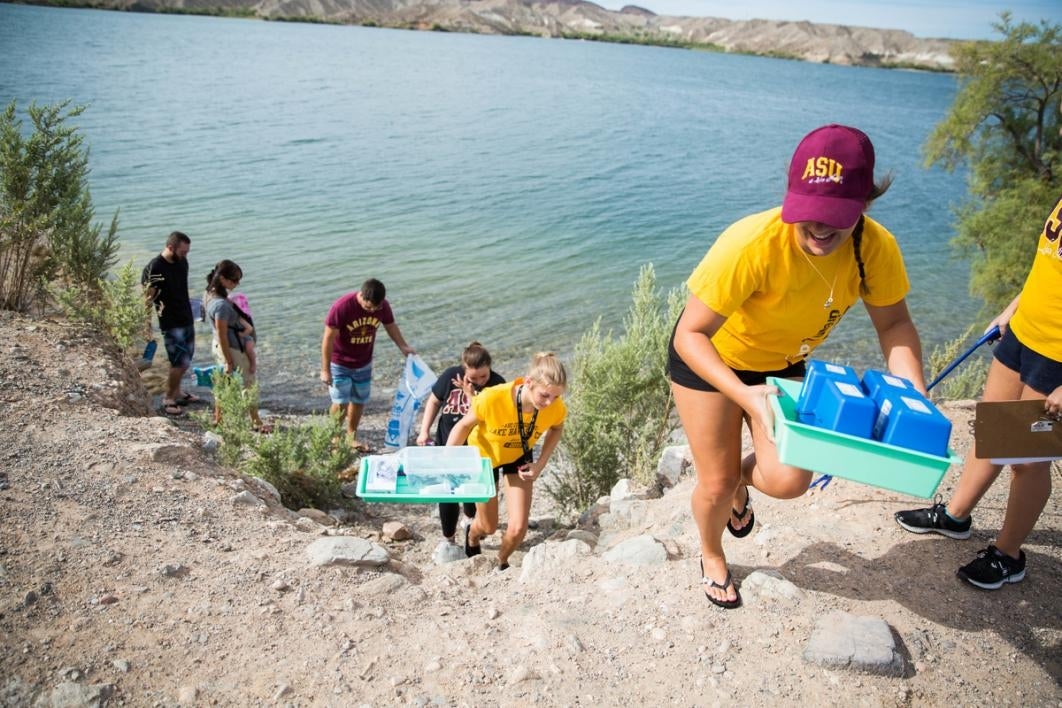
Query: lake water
506	189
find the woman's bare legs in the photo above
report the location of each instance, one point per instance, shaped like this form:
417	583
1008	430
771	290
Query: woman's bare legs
713	427
1030	488
518	505
977	476
485	522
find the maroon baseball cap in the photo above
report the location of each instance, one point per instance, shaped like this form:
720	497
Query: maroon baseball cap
830	177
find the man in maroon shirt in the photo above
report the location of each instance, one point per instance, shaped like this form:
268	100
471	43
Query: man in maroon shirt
346	350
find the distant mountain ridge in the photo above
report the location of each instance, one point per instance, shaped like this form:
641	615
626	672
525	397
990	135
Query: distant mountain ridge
823	43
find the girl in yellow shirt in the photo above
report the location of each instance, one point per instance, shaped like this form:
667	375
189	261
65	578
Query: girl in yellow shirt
1027	365
505	423
770	290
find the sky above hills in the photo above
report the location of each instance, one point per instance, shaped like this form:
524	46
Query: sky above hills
962	19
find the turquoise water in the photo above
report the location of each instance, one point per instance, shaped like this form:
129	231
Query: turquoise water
506	189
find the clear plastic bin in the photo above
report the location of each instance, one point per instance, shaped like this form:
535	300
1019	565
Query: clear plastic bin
431	461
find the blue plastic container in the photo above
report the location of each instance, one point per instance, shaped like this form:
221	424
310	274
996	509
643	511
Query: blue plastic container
910	421
843	408
879	384
818	372
203	375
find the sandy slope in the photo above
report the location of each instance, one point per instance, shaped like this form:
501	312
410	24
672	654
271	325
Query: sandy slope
98	503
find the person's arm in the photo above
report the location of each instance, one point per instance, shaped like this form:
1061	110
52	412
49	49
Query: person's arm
1002	320
222	328
327	343
693	342
549	443
459	433
899	342
431	409
396	336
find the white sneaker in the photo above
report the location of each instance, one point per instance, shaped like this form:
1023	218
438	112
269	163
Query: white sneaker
447	552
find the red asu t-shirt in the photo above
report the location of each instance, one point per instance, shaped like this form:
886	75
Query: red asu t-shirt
357	330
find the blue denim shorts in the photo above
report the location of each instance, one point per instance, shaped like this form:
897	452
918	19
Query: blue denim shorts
350	385
180	346
1037	371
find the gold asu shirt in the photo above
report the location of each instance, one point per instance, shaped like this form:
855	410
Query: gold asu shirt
756	276
497	435
1038	321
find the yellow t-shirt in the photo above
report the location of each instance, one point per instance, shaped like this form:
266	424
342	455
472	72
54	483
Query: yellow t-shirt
496	435
757	277
1038	322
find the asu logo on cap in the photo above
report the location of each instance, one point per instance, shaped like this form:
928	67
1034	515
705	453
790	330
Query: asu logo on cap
831	176
823	169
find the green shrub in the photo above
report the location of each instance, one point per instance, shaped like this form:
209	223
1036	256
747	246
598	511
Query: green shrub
46	229
965	382
234	403
303	461
620	406
117	305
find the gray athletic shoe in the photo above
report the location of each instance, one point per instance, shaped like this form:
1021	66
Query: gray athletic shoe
447	552
935	519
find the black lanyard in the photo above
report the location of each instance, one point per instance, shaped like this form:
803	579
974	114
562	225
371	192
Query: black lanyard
525	435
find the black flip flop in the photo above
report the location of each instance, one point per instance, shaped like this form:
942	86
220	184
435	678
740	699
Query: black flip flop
725	604
747	528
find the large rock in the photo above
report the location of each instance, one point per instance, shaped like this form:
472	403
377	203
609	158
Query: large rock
246	498
264	488
845	641
77	695
346	550
549	556
675	461
626	514
770	585
640	550
625	489
384	585
397	531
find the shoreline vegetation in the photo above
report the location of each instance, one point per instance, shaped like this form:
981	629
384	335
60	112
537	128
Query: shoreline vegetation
854	55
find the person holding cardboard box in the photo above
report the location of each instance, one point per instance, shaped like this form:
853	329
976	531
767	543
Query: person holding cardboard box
1027	364
771	289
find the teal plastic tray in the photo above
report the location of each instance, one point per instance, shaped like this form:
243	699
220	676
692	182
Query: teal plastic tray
405	494
858	459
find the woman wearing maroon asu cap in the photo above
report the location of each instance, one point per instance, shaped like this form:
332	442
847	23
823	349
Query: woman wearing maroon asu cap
768	292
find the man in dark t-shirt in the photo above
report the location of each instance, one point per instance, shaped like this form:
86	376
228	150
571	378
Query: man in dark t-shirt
346	350
165	280
451	399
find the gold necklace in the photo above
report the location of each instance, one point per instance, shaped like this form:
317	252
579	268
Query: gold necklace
829	298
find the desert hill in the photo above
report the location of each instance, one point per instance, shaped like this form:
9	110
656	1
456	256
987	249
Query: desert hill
835	44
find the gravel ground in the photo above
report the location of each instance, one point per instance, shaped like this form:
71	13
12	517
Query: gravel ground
134	572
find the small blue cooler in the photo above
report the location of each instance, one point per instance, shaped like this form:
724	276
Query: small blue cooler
817	374
879	384
843	408
911	421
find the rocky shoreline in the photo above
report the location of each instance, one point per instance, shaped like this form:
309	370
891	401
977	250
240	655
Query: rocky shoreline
135	570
